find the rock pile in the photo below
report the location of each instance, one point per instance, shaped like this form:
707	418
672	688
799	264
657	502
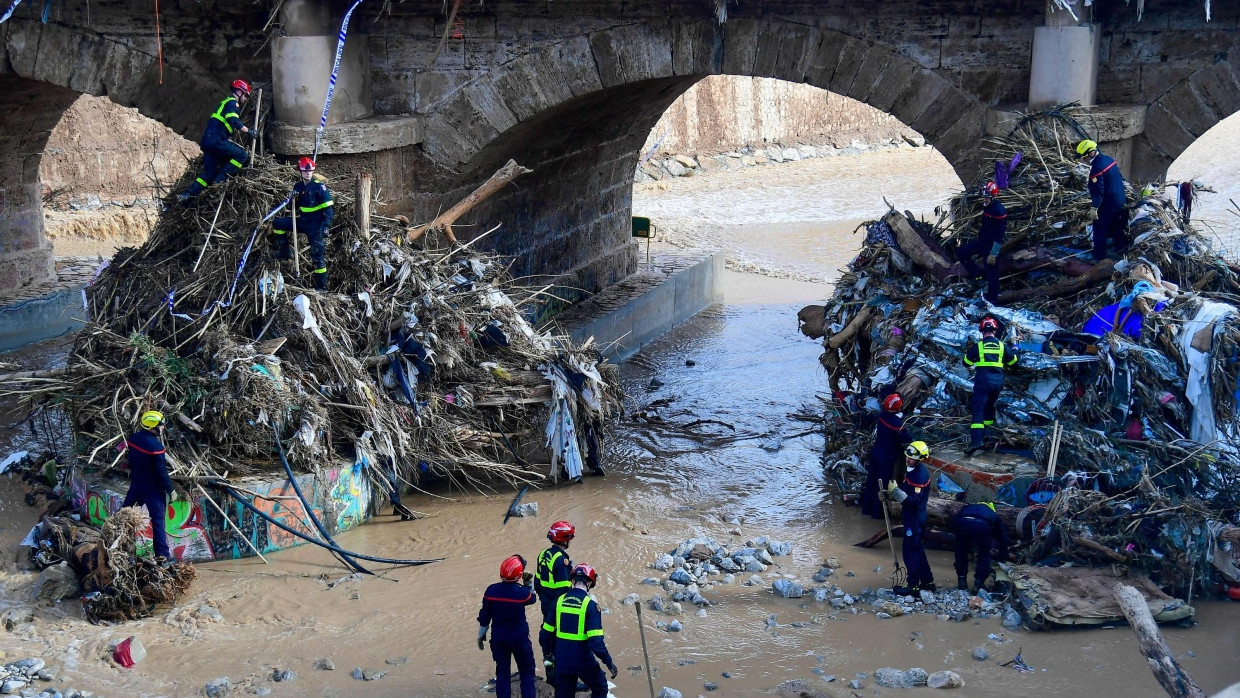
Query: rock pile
680	165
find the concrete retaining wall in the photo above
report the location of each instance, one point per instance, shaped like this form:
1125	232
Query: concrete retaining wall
42	317
647	305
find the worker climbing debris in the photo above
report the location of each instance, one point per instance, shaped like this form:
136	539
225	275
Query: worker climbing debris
1133	355
889	440
221	158
314	210
989	358
989	242
1108	200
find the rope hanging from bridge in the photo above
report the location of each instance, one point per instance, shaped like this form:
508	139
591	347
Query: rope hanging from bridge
331	85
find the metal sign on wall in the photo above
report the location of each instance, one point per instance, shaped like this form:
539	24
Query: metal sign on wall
642	228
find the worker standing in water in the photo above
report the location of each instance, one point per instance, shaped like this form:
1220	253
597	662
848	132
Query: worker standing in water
503	610
913	494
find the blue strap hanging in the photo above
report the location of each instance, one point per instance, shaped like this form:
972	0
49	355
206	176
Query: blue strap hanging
331	85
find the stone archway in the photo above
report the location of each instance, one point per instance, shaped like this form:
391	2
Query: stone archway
578	111
1182	114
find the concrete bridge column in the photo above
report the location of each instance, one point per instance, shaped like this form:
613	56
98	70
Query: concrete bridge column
1064	61
301	63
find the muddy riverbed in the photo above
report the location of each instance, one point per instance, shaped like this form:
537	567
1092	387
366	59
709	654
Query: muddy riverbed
751	370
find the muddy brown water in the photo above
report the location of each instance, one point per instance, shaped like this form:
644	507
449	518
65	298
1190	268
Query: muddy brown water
665	483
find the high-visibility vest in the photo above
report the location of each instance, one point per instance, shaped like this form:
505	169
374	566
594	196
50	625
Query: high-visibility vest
545	564
570	618
994	350
223	116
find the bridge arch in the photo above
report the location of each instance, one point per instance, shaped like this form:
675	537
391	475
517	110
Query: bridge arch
578	112
1184	112
43	69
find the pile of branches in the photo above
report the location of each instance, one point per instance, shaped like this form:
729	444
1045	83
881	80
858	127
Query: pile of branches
419	363
1149	416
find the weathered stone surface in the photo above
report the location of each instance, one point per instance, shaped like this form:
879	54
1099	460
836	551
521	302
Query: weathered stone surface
364	136
945	679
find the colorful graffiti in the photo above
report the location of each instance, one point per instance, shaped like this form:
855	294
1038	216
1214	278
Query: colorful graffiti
352	490
198	531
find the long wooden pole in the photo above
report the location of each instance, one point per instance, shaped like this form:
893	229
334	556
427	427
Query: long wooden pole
1173	679
296	251
641	628
258	103
362	201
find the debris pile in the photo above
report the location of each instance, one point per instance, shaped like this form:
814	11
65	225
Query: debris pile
1137	358
106	567
418	364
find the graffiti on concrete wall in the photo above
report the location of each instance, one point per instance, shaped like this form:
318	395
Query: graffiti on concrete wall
198	531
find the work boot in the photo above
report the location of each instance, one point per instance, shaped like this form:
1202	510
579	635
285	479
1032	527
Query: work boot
904	591
962	583
549	666
929	586
320	281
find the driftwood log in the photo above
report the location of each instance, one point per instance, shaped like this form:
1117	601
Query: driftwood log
443	222
913	245
1099	272
1174	680
850	330
812	321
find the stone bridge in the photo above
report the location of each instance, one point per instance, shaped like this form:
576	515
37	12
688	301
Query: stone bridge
432	104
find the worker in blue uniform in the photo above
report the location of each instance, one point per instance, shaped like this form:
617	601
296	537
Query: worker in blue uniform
315	210
551	582
977	529
913	494
1107	200
149	484
221	158
988	358
503	609
988	243
578	631
889	442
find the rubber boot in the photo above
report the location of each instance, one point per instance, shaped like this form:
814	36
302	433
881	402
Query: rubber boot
283	249
962	583
320	281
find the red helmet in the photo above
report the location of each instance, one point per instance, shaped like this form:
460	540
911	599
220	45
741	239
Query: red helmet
585	572
990	189
241	85
893	402
561	532
305	165
511	569
989	325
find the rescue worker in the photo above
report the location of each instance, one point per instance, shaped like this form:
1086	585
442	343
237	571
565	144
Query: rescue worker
913	494
889	443
988	243
988	357
314	208
149	484
578	628
976	527
503	609
1109	206
221	158
551	582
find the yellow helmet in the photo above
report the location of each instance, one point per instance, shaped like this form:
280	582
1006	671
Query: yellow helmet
918	450
152	419
1085	147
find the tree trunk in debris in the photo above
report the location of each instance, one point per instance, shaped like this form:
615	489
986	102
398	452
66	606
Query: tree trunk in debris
1100	272
837	340
1167	671
915	247
362	202
443	222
